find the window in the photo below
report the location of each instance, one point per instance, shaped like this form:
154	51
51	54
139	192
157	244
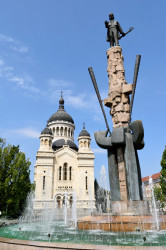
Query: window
58	200
71	201
61	131
65	172
60	173
70	173
44	182
86	183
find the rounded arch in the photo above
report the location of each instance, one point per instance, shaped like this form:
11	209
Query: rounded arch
58	201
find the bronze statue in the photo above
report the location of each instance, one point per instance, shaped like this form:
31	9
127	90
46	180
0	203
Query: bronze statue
114	30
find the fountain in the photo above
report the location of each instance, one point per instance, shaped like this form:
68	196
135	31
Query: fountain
153	206
44	229
130	222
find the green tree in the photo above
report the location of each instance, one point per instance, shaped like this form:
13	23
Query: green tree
14	179
163	174
160	192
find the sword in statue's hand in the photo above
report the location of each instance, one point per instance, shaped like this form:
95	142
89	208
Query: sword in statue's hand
126	33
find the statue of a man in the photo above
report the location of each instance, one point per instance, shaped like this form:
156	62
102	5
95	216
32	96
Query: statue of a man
113	30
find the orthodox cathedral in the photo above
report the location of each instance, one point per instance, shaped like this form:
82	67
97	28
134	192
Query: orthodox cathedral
62	169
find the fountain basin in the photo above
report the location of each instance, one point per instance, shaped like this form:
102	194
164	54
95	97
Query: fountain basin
121	223
40	235
12	244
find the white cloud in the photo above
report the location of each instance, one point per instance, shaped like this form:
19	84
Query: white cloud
15	45
1	62
24	84
21	49
27	132
58	83
6	38
79	101
99	150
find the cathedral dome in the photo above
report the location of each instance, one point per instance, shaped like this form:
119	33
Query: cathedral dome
46	131
84	132
59	144
61	114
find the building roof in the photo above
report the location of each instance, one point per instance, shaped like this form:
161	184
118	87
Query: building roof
61	142
154	177
61	114
46	131
84	132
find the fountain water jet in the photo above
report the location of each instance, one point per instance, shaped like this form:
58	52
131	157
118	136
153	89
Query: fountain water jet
154	207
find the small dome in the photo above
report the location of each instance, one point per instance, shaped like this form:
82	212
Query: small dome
59	144
46	131
61	114
84	132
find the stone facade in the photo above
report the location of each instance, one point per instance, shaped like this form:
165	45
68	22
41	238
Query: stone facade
62	167
119	91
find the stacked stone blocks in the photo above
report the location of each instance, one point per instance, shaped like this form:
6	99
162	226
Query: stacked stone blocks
119	91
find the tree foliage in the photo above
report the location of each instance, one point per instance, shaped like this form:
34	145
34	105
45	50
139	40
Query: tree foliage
160	192
163	174
14	179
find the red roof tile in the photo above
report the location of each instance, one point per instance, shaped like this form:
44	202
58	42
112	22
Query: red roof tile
153	176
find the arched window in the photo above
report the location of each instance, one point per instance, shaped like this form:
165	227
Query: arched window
65	171
70	173
61	131
58	200
65	132
71	201
44	182
60	173
86	183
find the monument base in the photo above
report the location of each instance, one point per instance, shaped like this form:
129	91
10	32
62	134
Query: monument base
130	207
123	223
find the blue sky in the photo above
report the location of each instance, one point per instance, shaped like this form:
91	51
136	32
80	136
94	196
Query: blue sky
47	46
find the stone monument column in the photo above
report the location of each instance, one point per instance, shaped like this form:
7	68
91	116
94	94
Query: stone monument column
119	102
119	91
127	137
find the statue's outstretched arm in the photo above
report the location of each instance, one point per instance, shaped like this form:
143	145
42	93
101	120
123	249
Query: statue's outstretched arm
106	24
